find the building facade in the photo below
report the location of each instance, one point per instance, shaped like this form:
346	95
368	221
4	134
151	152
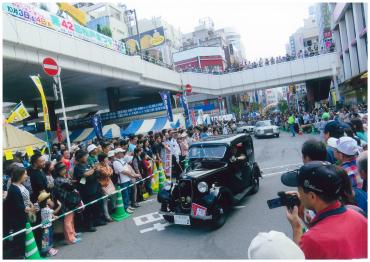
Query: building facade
210	59
349	25
305	40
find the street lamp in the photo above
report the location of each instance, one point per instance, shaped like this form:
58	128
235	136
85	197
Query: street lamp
130	12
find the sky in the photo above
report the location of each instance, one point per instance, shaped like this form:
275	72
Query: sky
265	27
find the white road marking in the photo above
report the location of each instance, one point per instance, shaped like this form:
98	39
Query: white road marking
239	207
156	226
273	167
148	218
274	174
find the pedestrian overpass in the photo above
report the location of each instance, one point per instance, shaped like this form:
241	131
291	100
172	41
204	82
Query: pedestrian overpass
88	69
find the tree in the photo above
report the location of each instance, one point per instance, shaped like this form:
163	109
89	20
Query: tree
283	105
106	31
236	111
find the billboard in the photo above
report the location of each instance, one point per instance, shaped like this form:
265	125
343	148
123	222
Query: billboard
40	17
148	39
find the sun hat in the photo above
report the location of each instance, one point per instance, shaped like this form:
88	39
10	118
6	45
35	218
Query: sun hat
43	195
347	145
274	245
91	148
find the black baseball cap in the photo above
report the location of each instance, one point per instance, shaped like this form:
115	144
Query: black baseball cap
317	176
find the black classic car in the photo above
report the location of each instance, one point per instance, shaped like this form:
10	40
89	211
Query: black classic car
222	170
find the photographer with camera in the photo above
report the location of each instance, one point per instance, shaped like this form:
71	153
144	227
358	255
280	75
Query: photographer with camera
335	232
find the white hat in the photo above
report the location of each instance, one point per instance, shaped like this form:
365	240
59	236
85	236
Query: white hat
111	153
119	150
332	142
347	145
90	148
128	158
274	245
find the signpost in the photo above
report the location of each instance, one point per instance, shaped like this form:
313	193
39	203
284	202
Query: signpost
52	68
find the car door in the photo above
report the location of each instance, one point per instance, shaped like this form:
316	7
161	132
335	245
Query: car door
240	172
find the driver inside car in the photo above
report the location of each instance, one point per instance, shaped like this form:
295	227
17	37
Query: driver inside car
237	154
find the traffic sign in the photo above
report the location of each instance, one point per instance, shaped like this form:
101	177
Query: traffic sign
188	88
220	98
50	66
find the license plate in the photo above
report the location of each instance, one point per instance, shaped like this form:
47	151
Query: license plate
269	134
181	220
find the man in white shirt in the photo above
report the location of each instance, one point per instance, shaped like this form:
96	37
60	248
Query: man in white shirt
175	152
125	173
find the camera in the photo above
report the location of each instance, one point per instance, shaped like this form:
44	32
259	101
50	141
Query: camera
284	199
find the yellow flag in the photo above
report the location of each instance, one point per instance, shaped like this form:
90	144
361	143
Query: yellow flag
18	114
8	154
29	151
38	84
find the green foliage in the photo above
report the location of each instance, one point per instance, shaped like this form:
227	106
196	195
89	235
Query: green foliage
283	105
106	31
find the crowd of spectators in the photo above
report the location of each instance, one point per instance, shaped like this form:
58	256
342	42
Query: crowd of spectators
44	186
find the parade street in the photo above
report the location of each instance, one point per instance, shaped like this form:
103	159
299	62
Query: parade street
145	235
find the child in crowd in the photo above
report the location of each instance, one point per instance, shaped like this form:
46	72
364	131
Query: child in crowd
47	214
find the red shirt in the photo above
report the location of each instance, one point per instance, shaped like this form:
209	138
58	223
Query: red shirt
341	236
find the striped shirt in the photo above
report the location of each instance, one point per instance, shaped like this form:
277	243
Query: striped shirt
351	169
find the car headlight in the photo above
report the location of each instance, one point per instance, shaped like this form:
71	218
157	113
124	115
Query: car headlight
168	186
202	187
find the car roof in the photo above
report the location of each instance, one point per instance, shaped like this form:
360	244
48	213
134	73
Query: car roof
222	139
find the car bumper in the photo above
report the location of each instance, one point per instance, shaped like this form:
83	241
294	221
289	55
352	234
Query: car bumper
182	214
266	135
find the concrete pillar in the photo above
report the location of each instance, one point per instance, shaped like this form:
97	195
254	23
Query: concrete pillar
361	44
364	6
113	95
344	42
338	45
351	37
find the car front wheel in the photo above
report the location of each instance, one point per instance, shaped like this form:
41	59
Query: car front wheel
277	135
218	217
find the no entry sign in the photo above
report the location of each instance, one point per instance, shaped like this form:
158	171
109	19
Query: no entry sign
188	88
50	66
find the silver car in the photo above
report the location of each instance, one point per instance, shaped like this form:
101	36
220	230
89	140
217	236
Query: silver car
244	128
266	128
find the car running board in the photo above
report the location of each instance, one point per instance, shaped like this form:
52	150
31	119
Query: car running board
241	195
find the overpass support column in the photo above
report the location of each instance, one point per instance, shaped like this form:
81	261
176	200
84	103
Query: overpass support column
113	95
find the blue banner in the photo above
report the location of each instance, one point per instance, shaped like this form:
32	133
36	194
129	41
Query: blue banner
166	98
184	103
97	125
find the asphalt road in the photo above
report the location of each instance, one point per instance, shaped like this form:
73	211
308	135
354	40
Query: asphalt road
145	235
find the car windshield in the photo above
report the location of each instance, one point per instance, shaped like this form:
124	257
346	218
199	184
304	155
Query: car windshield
263	123
207	151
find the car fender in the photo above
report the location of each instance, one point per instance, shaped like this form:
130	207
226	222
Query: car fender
259	172
164	196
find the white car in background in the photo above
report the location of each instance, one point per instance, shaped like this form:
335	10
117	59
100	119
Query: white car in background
266	128
242	127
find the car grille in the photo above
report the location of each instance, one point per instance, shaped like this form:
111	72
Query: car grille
185	193
268	131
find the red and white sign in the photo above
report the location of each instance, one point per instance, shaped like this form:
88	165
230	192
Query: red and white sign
198	210
50	66
220	98
188	88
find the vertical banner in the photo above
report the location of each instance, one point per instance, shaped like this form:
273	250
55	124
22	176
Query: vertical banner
59	132
38	84
185	105
97	125
193	120
166	98
256	94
